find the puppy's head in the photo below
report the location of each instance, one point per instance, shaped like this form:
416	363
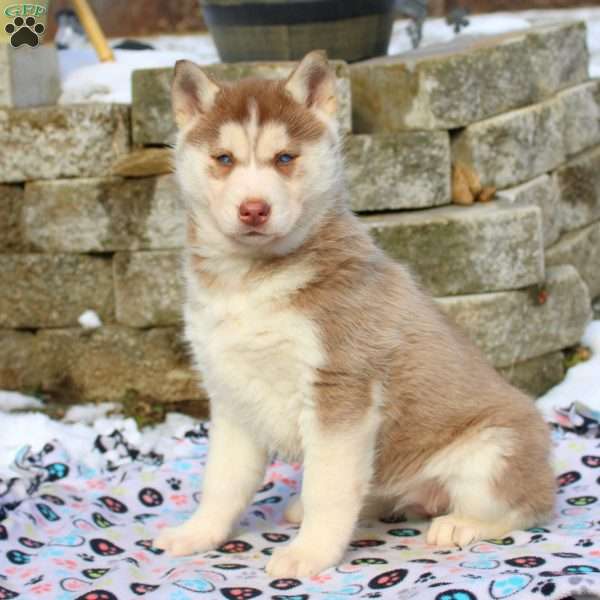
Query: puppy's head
257	160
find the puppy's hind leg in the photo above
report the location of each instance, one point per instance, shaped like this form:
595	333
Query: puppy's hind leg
482	477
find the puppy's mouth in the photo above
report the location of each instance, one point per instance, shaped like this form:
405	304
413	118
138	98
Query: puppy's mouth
254	237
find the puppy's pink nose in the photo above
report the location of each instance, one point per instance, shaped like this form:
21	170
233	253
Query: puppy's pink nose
254	212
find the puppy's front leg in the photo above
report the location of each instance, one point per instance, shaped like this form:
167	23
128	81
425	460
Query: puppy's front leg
234	470
337	470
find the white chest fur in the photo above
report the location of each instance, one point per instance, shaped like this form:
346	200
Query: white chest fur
258	355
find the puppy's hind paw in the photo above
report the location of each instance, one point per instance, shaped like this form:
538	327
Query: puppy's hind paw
450	530
189	538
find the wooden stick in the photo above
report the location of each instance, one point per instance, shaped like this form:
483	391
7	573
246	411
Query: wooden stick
93	30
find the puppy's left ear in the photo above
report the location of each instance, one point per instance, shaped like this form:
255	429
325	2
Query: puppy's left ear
312	83
193	92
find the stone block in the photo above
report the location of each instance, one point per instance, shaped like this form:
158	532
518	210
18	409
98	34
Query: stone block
52	290
580	248
77	140
458	250
596	308
513	147
402	170
148	288
543	192
11	203
152	120
103	214
536	375
581	105
511	327
20	67
107	364
579	184
467	80
145	162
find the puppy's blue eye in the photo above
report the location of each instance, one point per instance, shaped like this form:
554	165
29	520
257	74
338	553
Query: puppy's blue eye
285	159
225	159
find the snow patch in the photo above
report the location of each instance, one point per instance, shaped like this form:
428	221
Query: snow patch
35	429
582	382
89	413
89	320
86	80
16	401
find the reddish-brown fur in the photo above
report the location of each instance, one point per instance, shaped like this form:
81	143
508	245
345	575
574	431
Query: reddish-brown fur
378	327
272	103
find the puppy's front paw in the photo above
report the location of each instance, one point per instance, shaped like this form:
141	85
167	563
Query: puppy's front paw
298	560
189	538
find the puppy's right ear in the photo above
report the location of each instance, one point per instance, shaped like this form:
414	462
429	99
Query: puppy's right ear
193	92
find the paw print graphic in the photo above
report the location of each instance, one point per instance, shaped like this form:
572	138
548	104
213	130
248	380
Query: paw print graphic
86	557
526	562
24	32
387	579
585	543
544	587
234	546
174	484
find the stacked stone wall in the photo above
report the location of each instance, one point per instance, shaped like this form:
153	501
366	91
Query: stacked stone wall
81	228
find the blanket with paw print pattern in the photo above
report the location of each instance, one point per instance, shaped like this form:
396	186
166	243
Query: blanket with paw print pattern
70	532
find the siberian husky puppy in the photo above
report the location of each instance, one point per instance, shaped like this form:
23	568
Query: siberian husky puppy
313	344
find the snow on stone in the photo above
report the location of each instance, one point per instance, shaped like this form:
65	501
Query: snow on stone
88	413
89	320
437	31
15	401
582	382
84	79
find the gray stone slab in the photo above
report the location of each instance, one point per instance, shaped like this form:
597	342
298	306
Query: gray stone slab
148	288
581	116
536	375
467	80
399	170
53	290
77	140
579	184
580	248
514	147
461	250
543	192
103	214
511	327
11	204
107	364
